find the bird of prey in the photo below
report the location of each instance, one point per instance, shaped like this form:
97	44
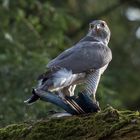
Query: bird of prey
84	62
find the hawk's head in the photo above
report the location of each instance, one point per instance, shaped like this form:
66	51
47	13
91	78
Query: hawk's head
99	30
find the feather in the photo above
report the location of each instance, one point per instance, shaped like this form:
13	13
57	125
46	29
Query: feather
83	57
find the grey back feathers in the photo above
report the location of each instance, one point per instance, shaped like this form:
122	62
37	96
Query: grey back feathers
85	55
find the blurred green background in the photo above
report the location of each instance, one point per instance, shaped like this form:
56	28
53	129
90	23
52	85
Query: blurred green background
33	32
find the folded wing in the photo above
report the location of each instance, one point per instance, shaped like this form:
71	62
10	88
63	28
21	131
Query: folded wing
83	57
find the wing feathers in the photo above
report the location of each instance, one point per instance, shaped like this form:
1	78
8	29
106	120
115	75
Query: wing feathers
83	57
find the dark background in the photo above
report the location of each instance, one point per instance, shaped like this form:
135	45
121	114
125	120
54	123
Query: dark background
33	32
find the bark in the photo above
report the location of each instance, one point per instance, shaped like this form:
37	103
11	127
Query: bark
109	124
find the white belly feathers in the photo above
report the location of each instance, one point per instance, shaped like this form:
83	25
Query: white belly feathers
64	77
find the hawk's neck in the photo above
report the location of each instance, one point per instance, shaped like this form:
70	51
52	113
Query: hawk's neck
89	38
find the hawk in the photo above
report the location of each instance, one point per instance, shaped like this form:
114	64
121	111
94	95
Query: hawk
84	62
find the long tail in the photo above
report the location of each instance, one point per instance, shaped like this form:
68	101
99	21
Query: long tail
32	99
41	79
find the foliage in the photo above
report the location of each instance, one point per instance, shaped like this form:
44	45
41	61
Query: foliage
33	32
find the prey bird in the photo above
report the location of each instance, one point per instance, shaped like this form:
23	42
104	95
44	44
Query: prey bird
84	62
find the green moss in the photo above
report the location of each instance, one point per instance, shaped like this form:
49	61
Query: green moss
107	124
14	131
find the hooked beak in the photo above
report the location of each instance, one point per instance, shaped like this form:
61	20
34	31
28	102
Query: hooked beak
97	28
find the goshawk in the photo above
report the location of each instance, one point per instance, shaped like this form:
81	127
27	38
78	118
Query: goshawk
82	63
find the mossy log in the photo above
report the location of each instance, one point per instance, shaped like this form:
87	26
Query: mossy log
109	124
